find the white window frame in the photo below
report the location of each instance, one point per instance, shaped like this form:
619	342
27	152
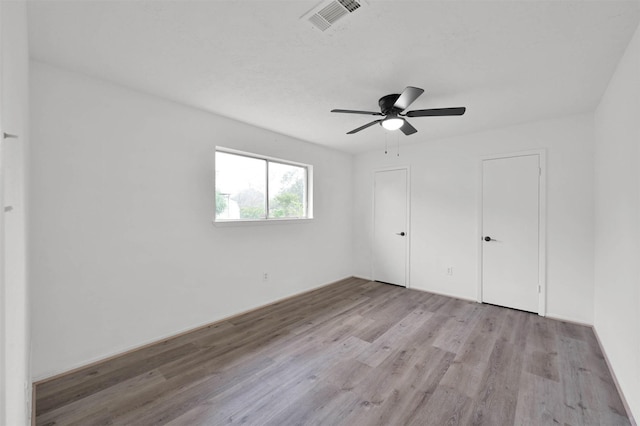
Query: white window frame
308	199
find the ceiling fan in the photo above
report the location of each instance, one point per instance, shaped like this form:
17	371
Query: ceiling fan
392	109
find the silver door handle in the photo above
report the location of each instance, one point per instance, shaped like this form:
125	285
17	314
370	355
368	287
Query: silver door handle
400	233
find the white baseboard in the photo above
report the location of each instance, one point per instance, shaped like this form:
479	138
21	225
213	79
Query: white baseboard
453	296
615	379
566	319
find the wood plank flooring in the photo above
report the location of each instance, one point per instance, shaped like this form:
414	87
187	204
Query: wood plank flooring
352	353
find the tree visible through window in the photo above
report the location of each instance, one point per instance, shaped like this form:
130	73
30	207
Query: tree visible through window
250	187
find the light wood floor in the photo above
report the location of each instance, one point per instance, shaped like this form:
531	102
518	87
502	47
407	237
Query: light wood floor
352	353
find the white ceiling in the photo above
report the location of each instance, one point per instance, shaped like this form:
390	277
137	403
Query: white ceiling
508	62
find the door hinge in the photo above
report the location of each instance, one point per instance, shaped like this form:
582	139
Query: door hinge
539	289
539	171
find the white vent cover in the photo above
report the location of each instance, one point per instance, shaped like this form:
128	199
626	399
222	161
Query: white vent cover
326	14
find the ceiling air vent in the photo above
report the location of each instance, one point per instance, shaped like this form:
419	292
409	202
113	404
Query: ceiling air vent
326	14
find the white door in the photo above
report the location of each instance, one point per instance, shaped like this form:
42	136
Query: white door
390	234
510	231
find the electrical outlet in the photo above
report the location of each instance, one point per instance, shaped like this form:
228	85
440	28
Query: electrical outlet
265	277
450	270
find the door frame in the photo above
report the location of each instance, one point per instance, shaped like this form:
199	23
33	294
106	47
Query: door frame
542	222
3	304
407	168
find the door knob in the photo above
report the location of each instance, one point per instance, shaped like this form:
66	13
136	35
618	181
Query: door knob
400	233
488	238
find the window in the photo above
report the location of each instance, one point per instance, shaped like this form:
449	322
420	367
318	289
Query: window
250	187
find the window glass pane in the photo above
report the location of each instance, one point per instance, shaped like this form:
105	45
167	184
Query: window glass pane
287	190
240	187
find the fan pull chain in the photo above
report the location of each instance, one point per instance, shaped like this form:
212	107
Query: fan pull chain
386	142
398	142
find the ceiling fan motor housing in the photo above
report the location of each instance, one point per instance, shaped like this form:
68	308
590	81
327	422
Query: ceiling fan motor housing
386	104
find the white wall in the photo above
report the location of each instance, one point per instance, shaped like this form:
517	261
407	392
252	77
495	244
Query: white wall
14	301
617	223
444	208
122	244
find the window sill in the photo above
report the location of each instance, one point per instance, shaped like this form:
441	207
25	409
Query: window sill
231	223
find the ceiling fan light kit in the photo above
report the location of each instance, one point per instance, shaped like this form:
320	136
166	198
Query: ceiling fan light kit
392	123
392	108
